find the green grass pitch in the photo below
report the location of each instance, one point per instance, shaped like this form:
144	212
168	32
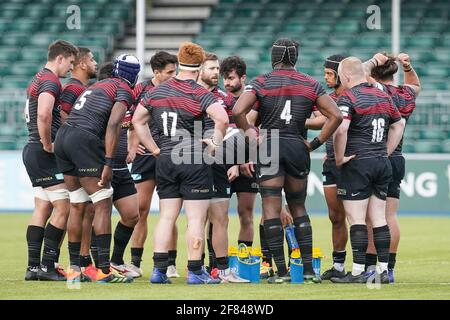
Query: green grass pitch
422	271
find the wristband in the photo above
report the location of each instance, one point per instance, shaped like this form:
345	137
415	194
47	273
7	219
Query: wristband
407	70
315	143
108	162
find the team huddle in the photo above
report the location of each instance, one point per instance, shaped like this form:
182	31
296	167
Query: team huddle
197	145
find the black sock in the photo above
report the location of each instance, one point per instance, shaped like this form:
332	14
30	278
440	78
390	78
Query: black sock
122	236
93	248
222	263
104	247
136	256
359	240
303	234
161	261
195	266
382	241
371	260
267	255
74	253
58	252
35	236
339	256
211	253
85	261
172	257
247	243
274	235
52	239
392	257
203	259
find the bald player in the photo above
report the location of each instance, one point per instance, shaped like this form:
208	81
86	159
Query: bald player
370	128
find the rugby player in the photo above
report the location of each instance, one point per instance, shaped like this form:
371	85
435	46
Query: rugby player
285	100
404	97
85	147
50	193
176	106
370	128
164	66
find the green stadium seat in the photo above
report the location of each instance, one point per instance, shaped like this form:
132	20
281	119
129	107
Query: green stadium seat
408	147
9	54
36	11
231	41
7	143
33	54
442	55
43	39
427	146
14	82
16	39
446	146
4	24
418	118
4	69
295	27
421	41
24	25
27	69
347	26
437	70
432	133
10	13
260	40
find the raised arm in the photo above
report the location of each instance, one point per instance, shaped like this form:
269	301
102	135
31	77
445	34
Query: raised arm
410	76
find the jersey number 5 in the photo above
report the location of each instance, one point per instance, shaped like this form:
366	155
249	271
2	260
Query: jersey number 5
82	100
173	128
378	130
286	113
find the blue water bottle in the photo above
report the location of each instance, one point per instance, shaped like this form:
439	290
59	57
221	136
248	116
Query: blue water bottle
290	235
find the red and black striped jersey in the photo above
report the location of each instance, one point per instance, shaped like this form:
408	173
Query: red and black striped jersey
404	98
92	109
177	107
225	99
70	93
44	81
139	91
285	99
370	111
329	144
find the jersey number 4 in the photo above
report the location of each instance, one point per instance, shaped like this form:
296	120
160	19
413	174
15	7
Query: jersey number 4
286	113
82	100
378	130
173	128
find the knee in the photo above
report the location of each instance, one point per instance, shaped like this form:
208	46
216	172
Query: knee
246	220
337	218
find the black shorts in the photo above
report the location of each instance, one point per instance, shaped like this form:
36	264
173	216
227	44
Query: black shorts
187	181
41	166
122	184
78	152
143	168
221	185
330	173
292	159
244	184
363	178
398	173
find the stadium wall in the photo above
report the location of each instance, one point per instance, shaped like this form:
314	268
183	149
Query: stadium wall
425	189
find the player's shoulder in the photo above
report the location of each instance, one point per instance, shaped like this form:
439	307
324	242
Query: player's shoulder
74	85
48	75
